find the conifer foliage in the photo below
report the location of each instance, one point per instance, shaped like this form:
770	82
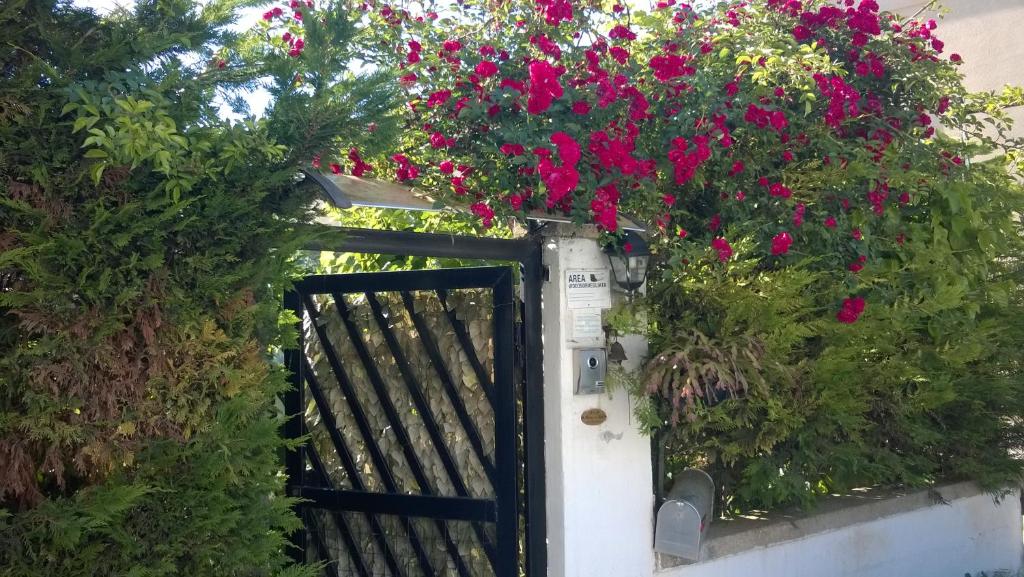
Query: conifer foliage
144	242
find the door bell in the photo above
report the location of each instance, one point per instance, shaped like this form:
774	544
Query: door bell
591	369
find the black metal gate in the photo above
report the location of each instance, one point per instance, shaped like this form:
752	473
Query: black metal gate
408	386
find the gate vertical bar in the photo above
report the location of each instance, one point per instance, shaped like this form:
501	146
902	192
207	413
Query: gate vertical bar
507	490
294	428
533	419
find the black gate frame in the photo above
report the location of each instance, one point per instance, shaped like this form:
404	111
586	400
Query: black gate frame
528	253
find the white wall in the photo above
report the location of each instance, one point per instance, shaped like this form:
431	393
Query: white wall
969	535
599	489
986	33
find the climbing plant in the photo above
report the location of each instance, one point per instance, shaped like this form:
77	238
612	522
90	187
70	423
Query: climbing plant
835	297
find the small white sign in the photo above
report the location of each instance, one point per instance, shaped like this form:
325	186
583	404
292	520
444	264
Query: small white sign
588	289
586	324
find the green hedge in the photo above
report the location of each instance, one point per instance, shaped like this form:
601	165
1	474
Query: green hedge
145	246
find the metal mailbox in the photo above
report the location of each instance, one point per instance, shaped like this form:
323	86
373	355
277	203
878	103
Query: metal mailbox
684	517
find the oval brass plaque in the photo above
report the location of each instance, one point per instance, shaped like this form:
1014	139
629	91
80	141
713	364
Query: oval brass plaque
593	417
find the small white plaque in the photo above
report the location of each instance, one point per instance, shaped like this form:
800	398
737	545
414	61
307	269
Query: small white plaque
586	324
588	289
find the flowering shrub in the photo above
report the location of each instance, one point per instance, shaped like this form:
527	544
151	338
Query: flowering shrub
793	124
809	217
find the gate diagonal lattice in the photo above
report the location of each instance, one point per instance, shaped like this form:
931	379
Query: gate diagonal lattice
410	397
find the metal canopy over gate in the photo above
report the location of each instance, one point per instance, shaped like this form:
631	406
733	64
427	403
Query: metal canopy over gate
421	396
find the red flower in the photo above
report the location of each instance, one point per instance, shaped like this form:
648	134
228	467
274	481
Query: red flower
359	167
955	58
802	33
568	149
580	107
621	32
485	213
798	215
721	246
555	11
780	190
335	168
737	167
486	68
560	180
406	169
857	265
452	45
830	222
438	98
510	149
437	140
544	86
669	66
856	234
446	167
781	243
851	310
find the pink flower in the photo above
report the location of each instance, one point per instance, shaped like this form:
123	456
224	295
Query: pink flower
452	45
857	234
737	167
851	310
580	107
721	246
781	243
682	233
830	222
955	58
446	167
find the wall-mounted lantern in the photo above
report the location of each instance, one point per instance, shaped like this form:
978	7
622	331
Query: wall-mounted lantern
629	261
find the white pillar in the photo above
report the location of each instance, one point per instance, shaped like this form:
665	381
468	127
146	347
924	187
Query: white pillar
599	488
